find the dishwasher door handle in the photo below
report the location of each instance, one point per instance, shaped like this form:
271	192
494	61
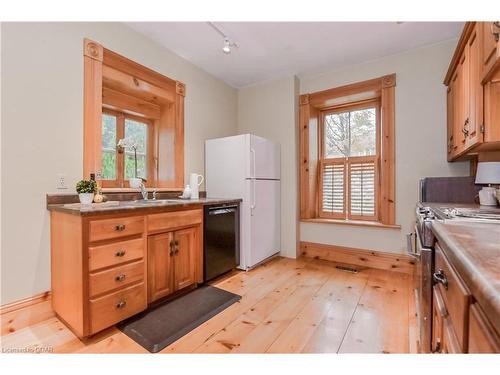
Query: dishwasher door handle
221	210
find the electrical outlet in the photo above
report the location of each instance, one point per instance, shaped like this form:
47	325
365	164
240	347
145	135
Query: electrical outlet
61	181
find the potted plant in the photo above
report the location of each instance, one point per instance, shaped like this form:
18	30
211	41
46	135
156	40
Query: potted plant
86	190
129	143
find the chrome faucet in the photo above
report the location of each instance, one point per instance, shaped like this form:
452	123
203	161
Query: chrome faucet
144	192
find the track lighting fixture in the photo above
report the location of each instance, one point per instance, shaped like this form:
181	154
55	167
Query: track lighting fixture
226	48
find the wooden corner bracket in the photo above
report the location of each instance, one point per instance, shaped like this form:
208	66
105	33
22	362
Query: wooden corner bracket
93	49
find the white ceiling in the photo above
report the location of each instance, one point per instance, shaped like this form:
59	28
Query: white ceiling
269	50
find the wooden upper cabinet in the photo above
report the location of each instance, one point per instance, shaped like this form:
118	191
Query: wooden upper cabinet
490	54
473	95
450	115
461	96
474	121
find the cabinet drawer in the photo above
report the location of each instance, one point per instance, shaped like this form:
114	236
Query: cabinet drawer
113	308
172	220
116	227
482	336
116	277
456	296
115	253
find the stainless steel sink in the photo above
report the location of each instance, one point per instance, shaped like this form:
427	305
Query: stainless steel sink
154	202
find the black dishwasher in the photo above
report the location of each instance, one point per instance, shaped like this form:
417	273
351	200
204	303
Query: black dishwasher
221	240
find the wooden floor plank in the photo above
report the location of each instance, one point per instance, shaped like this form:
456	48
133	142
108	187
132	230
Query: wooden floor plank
314	325
268	330
380	322
229	338
412	318
287	306
268	280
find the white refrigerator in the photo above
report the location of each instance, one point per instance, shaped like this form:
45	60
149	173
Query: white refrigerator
248	167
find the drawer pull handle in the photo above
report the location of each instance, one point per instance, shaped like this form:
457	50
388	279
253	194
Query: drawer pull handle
121	304
495	30
440	277
172	246
120	253
120	227
120	277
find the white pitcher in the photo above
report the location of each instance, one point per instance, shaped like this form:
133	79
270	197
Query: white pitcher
195	180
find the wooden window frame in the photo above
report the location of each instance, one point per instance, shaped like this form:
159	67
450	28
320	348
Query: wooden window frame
312	107
120	181
113	82
347	161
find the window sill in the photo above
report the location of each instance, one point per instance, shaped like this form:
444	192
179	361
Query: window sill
361	223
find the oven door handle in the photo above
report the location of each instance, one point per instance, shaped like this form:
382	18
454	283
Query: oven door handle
410	245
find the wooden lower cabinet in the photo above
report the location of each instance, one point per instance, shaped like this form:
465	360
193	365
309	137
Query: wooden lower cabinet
185	257
105	268
439	313
450	342
482	336
458	324
172	259
115	307
455	295
160	266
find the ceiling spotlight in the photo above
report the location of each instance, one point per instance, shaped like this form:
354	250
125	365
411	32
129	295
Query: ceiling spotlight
227	42
227	46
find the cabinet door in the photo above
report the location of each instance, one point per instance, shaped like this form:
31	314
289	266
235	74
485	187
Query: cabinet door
490	46
463	118
458	112
438	315
475	117
450	341
186	242
482	336
450	124
160	265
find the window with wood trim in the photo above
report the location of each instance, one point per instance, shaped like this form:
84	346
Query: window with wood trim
126	100
119	163
349	136
347	153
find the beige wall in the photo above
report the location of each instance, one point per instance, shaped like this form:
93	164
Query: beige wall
420	138
42	109
41	98
269	110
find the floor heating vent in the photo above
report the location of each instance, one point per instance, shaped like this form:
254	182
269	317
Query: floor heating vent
346	269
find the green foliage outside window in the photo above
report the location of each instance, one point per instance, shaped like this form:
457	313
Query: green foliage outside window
108	147
135	131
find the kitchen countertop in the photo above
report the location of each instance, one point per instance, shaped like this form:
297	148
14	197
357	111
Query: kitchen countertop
474	251
128	207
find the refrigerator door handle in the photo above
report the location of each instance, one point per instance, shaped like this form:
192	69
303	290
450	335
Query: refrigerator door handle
253	160
254	197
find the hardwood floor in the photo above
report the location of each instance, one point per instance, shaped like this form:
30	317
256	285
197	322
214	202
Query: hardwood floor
287	306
